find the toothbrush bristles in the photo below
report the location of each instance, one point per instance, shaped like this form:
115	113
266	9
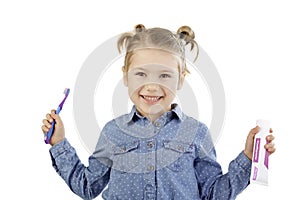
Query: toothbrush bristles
66	91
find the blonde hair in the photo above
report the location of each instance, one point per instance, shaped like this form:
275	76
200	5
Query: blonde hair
158	38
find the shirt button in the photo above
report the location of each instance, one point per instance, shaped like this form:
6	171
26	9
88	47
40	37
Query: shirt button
180	147
150	144
149	187
157	124
123	148
150	168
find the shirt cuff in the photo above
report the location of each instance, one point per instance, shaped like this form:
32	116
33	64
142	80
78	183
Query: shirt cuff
60	148
244	162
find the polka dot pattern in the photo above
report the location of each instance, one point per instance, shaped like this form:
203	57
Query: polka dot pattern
173	158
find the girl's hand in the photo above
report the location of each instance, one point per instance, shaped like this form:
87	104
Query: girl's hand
270	147
59	130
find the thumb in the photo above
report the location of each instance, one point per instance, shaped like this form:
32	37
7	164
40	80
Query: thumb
56	117
253	131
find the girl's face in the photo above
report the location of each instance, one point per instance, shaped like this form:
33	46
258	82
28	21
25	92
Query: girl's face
152	80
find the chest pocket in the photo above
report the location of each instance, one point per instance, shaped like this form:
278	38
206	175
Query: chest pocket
181	155
125	157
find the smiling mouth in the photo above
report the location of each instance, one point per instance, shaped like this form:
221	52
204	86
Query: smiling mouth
151	99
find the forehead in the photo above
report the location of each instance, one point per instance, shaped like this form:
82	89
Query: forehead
147	57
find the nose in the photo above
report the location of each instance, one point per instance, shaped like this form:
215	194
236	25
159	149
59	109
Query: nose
151	87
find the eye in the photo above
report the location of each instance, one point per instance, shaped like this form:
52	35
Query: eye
142	74
165	76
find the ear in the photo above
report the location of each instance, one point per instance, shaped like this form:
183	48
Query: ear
181	80
125	77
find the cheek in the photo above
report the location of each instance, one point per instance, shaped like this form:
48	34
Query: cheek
170	92
170	86
134	87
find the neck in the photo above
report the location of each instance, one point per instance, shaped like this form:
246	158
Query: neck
154	116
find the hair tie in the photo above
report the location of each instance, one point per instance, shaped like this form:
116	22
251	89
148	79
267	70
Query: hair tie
183	35
139	28
186	33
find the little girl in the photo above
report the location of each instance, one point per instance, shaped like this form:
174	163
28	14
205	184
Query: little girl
155	151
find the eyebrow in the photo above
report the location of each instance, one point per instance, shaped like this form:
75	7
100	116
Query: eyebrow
138	68
161	71
169	71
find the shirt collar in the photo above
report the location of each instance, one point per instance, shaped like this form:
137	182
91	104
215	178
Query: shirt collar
174	109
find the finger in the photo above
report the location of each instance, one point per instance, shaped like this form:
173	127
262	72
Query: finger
271	130
56	117
45	129
49	118
269	145
53	114
270	138
271	150
254	131
46	123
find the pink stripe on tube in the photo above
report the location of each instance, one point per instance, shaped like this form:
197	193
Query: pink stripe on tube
266	162
256	150
255	173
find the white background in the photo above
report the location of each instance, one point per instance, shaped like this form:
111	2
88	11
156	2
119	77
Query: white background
254	45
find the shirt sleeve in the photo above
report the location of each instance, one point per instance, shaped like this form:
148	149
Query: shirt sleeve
86	182
212	183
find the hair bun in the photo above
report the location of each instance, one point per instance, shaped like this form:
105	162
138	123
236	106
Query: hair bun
139	28
186	33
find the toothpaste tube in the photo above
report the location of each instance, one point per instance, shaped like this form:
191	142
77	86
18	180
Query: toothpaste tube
260	158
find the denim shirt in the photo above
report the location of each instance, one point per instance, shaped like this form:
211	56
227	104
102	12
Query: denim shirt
171	158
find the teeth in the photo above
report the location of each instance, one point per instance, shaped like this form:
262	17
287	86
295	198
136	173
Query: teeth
151	98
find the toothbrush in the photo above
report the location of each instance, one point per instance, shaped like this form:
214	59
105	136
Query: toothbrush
59	108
